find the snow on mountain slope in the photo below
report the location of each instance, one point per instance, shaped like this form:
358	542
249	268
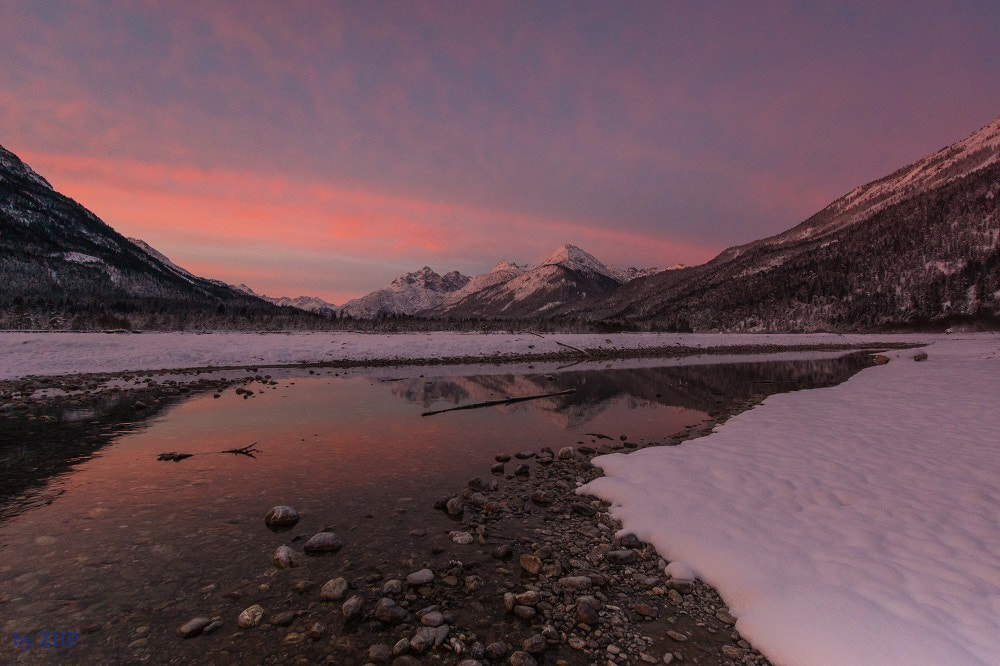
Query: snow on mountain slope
408	294
163	259
575	259
980	149
504	271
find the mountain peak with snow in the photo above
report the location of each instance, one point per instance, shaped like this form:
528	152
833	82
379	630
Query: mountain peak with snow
573	258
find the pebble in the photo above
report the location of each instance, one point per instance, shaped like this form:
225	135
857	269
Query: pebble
432	619
284	557
323	543
351	609
333	590
461	538
388	611
522	658
380	653
576	582
284	619
281	516
193	627
422	577
251	616
530	563
454	507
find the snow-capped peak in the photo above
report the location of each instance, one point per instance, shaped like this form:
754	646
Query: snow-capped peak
503	265
573	258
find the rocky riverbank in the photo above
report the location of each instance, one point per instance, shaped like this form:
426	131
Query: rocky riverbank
529	573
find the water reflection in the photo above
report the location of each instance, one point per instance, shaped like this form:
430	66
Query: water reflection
120	541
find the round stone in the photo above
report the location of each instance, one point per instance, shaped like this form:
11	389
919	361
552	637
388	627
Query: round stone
281	516
323	543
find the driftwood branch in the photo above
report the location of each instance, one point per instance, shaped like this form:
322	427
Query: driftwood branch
494	403
576	349
248	450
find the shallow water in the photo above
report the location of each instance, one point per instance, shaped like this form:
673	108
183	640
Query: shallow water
102	539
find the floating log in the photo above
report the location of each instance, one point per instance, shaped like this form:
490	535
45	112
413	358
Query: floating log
494	403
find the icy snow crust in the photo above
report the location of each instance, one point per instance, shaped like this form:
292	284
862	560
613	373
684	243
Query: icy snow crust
23	354
858	524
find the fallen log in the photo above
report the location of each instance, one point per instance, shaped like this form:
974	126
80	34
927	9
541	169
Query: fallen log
494	403
176	456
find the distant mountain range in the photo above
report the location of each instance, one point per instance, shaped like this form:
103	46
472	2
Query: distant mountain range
918	247
566	276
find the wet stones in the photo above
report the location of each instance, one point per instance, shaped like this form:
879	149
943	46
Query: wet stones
334	589
250	617
621	557
284	557
281	516
579	583
422	577
323	543
389	612
531	564
193	627
351	609
453	507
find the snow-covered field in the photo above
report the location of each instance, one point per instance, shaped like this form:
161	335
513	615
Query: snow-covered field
24	354
858	524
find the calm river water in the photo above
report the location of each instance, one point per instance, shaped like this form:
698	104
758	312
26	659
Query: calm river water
99	538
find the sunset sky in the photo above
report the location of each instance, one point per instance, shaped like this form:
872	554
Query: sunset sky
323	148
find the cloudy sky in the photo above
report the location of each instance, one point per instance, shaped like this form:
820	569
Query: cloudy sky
323	148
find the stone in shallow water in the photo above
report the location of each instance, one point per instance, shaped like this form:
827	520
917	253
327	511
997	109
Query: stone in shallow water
284	557
251	617
333	589
193	627
461	538
281	516
323	543
421	577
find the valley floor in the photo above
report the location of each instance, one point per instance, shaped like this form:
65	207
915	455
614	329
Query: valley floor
848	525
47	353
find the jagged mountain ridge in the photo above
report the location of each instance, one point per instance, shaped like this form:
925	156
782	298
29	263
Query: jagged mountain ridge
408	294
916	246
565	277
62	266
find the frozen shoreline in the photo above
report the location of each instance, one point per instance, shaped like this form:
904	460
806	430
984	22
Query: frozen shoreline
848	525
44	353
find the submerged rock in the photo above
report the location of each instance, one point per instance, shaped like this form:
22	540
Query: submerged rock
281	516
193	627
284	557
323	543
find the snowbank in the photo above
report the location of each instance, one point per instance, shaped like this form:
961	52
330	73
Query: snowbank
858	524
24	354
